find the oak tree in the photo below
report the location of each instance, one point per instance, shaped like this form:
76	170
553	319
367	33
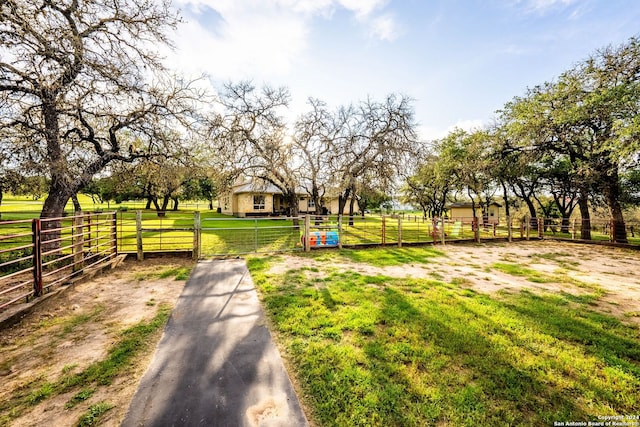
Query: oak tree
83	86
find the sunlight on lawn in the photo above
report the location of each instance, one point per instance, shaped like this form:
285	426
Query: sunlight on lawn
371	350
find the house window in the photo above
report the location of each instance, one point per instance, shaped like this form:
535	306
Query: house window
311	204
258	202
226	202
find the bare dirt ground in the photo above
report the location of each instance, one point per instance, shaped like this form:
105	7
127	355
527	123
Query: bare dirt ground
580	269
71	330
37	346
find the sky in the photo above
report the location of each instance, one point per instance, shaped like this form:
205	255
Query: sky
459	60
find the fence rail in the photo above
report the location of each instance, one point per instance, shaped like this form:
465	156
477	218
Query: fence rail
148	233
39	254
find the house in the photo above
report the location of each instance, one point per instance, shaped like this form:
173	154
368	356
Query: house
257	198
463	211
248	198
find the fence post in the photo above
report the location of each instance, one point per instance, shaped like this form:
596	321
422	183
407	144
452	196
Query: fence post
339	231
78	242
509	231
476	229
307	231
114	233
573	232
255	235
139	235
541	228
400	231
434	230
36	237
612	230
196	235
528	227
384	230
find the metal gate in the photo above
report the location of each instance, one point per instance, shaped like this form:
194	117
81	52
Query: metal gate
235	236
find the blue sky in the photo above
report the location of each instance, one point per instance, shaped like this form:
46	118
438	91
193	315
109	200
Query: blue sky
460	60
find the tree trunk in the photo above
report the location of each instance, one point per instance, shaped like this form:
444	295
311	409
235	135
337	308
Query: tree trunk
165	203
351	203
148	205
351	193
175	203
59	188
53	207
505	198
473	203
585	227
76	203
565	208
342	200
292	200
210	204
612	194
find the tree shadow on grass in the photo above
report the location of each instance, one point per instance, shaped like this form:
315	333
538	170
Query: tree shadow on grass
475	372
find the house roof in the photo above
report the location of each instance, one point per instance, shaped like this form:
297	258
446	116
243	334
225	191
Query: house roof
469	205
256	187
264	187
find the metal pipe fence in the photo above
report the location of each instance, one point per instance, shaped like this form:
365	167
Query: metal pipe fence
147	232
221	236
39	254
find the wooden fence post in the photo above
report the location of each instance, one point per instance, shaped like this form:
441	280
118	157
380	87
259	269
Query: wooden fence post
476	229
434	230
384	230
78	243
139	235
307	231
36	237
573	232
541	228
612	230
196	235
528	227
509	231
400	231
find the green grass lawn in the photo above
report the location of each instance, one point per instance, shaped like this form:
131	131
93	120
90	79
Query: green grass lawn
371	350
227	235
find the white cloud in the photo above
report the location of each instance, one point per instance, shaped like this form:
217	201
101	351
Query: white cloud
384	28
244	38
542	6
362	8
431	133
